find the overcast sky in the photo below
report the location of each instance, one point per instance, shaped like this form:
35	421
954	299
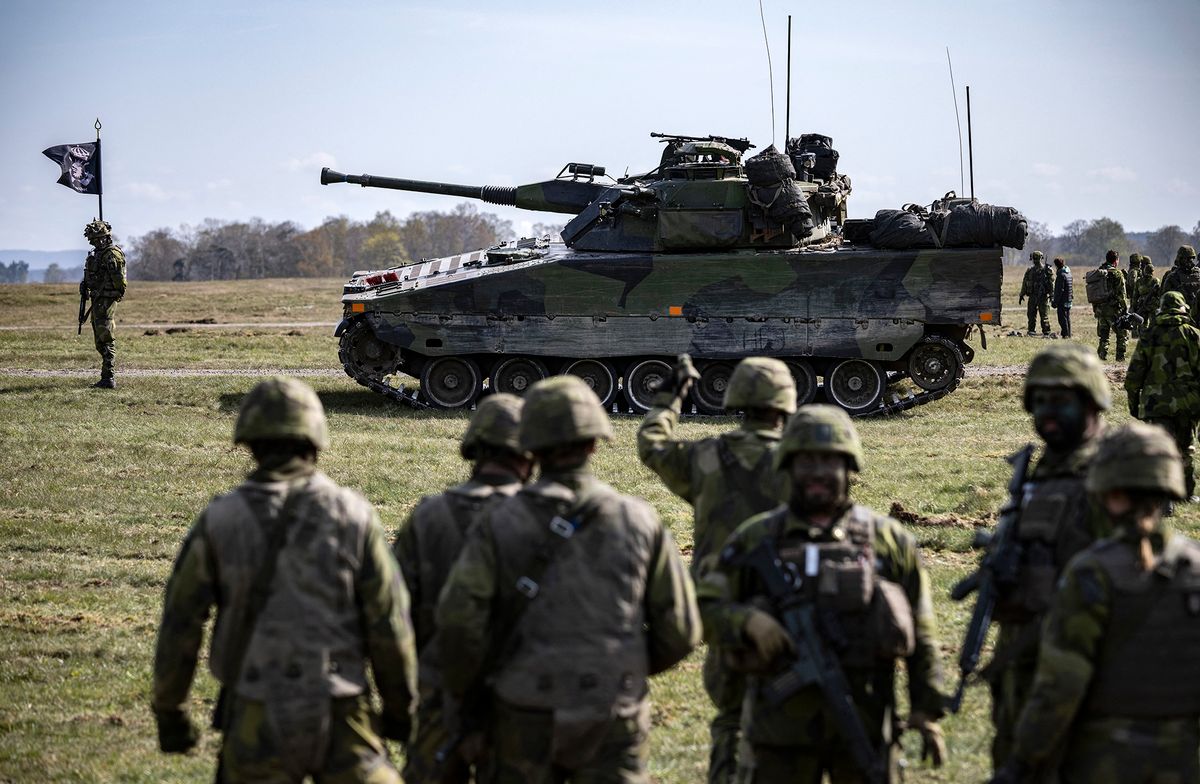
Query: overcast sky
228	110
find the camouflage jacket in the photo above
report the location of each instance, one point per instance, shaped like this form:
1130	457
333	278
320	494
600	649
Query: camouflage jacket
1118	303
1071	658
429	543
728	593
1146	294
620	567
337	598
1186	282
1038	282
726	479
1164	375
1064	292
1131	276
104	273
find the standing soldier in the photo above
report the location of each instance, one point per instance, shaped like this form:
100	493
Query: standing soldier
104	282
1163	381
726	479
1117	694
427	547
566	598
1037	286
1131	276
860	574
1184	277
1064	296
1106	293
1065	392
1146	293
307	592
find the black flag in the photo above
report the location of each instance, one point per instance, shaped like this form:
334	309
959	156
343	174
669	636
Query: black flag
80	165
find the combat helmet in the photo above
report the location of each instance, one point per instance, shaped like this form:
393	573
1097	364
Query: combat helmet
97	229
820	428
282	408
761	382
1184	254
1173	302
1068	366
561	410
496	423
1137	456
1037	255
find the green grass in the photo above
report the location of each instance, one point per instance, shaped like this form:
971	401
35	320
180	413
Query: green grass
100	488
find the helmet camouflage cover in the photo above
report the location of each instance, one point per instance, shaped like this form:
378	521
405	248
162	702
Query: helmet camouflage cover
1173	302
1068	366
761	382
496	423
1185	252
97	228
282	408
561	410
1037	255
820	428
1137	456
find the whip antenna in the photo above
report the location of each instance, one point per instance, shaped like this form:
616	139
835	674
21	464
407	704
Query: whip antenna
787	114
957	122
770	70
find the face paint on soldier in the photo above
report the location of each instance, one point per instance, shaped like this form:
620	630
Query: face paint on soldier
820	485
1061	417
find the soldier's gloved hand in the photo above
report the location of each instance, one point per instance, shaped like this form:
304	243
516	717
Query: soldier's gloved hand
1020	299
767	635
176	733
397	727
683	375
933	744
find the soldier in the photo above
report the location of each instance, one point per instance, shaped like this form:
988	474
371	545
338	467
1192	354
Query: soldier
1184	277
104	282
726	479
427	546
307	592
1117	693
1131	276
1063	297
566	598
1065	392
1146	293
1106	292
1163	381
862	575
1037	285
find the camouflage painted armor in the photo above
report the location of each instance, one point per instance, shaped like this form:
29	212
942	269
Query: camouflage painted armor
1163	381
1108	312
798	735
1146	293
1111	621
1037	286
336	601
613	605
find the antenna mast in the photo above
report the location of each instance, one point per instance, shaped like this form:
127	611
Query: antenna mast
787	121
957	121
770	70
970	147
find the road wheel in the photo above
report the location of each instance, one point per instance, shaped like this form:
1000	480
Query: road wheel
935	363
708	393
516	375
856	385
806	380
642	380
597	374
451	382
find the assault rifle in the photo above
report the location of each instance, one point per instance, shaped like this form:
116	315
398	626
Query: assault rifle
815	663
997	569
83	304
1129	321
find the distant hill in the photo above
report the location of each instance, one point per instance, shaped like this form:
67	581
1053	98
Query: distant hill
38	260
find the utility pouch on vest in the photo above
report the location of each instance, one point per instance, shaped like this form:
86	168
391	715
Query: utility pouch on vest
579	732
845	586
892	621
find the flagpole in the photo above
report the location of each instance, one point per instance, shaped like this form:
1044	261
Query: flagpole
99	178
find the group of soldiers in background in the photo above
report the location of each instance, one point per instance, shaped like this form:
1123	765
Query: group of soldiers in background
540	609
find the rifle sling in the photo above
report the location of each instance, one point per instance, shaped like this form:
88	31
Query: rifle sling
276	528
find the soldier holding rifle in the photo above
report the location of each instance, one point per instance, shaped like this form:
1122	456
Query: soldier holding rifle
104	282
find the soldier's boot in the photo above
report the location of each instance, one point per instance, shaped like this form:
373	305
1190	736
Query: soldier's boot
107	381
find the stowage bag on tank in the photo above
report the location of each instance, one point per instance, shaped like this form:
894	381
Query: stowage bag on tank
900	229
774	190
984	224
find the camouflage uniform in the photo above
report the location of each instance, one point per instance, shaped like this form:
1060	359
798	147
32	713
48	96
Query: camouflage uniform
104	281
298	701
798	740
1057	520
1037	285
566	598
726	479
1108	312
1063	297
1146	293
1184	277
427	546
1163	381
1117	692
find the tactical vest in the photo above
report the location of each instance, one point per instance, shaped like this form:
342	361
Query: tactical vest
1148	665
308	640
104	271
740	494
1050	531
867	619
580	647
442	522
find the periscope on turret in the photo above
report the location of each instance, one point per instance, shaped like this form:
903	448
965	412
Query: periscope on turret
706	254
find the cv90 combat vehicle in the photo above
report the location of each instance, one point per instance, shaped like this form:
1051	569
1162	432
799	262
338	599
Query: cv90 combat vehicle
705	254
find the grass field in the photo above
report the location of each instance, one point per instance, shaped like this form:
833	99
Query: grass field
100	488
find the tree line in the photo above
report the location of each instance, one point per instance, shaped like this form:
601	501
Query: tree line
1084	242
14	272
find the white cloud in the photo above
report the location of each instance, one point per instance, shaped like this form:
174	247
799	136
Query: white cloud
148	191
1047	169
1116	174
317	159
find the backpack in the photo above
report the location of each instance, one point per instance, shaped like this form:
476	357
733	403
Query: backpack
1099	290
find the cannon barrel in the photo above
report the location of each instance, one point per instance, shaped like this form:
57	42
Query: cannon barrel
568	196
